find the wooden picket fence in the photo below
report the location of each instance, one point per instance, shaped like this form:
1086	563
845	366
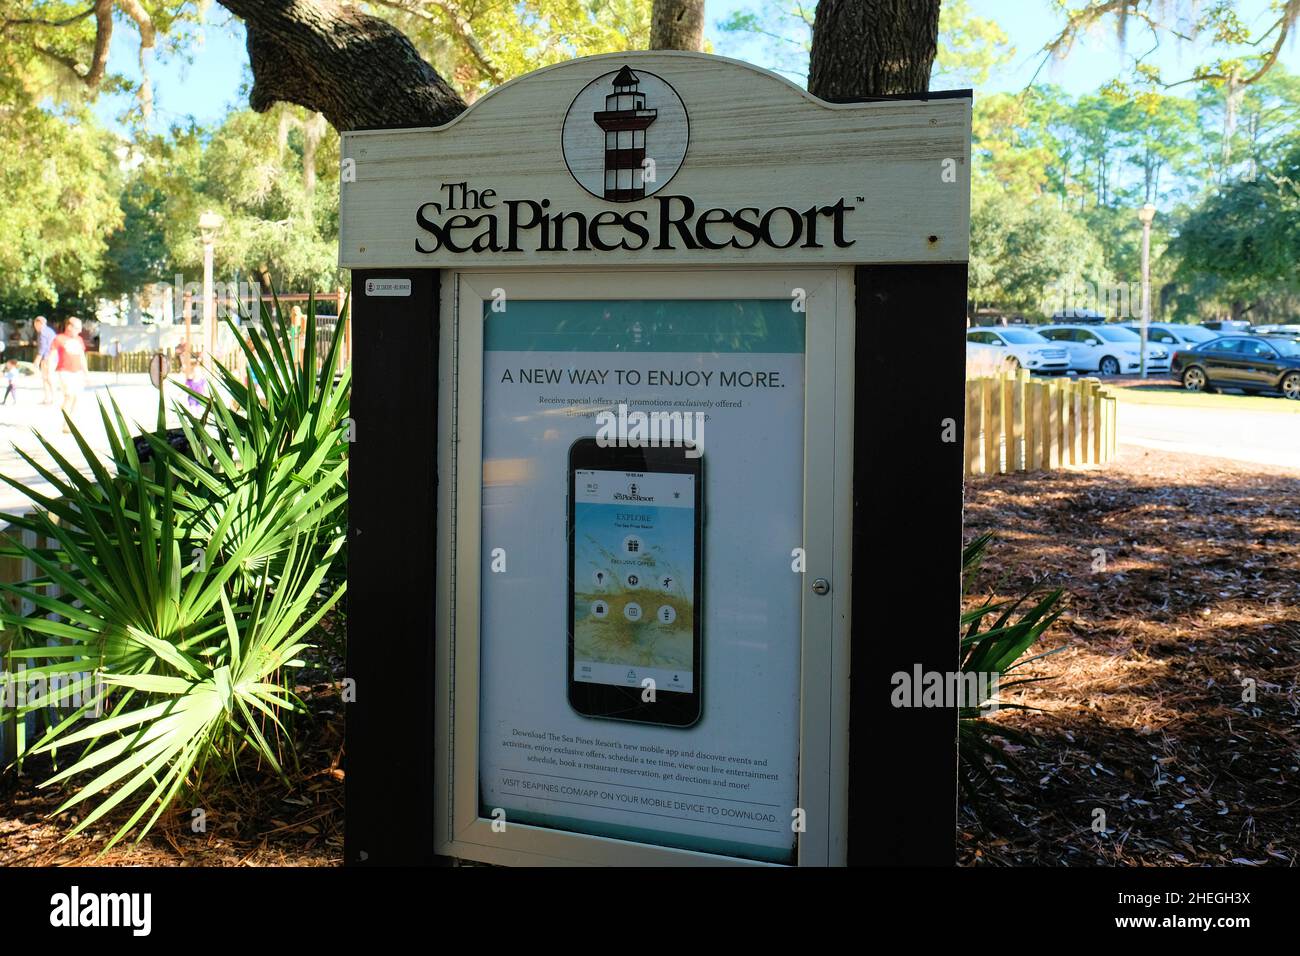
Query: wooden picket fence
1018	423
126	362
13	569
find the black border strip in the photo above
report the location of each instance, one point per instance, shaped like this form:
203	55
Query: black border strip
907	531
392	513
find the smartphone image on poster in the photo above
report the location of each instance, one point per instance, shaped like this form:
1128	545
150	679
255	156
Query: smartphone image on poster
635	536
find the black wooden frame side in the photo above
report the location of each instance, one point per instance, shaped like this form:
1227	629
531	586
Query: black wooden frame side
906	596
392	512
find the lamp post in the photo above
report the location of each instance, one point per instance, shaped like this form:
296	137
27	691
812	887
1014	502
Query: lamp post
209	223
1146	215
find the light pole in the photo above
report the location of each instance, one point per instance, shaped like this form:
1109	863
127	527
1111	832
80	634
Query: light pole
209	223
1146	214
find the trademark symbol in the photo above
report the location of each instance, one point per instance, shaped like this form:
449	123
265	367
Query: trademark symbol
862	199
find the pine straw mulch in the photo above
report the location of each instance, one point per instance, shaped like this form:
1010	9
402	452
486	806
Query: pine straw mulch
1143	716
251	821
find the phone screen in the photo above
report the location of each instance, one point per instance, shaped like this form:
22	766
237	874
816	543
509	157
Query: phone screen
635	519
633	578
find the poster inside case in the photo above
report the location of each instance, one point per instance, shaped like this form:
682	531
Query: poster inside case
642	507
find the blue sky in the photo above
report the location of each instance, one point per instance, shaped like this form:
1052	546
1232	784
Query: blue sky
207	79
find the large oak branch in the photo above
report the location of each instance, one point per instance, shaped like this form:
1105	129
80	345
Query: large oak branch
358	70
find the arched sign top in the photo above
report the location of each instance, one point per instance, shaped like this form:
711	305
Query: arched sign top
660	158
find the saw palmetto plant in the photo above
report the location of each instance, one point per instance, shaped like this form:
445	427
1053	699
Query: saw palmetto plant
177	581
995	637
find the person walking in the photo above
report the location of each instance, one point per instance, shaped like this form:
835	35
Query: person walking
196	379
68	352
44	338
11	378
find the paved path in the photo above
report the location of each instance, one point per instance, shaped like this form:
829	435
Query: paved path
133	394
1264	438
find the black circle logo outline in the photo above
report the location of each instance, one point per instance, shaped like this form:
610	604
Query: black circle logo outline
686	114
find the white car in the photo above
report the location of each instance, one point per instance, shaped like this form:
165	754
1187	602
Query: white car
1107	349
1024	348
986	359
1173	335
1291	329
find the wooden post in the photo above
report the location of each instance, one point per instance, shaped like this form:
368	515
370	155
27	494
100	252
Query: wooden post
1085	421
1105	429
1031	411
971	444
1067	422
1114	426
1010	414
390	796
1052	420
1094	398
989	393
924	754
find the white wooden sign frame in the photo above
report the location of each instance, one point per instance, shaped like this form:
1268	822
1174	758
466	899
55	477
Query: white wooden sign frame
827	477
647	175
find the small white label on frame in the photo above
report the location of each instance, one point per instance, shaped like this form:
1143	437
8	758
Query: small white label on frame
388	287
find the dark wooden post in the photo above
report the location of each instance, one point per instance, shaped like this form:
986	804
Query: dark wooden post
906	564
392	508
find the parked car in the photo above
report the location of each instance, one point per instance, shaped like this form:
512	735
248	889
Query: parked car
984	359
1227	326
1108	349
1078	317
1174	335
1024	348
1250	363
1289	331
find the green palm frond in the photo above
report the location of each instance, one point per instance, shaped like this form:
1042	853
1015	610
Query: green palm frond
995	637
176	581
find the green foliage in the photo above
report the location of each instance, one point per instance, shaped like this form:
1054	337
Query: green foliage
181	582
996	648
59	181
136	253
273	178
1019	251
1247	236
970	47
479	46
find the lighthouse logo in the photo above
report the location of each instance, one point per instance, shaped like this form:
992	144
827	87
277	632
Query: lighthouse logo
625	135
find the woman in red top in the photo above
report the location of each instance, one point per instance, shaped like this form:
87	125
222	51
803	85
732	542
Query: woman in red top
68	352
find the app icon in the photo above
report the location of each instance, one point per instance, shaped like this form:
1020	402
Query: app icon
632	611
666	614
600	577
599	610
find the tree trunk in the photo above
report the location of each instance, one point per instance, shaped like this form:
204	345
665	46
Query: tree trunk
360	71
872	48
677	25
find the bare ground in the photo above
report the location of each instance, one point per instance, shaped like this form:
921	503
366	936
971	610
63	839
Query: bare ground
1144	717
252	821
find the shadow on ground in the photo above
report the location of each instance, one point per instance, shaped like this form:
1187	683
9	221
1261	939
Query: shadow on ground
1184	584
